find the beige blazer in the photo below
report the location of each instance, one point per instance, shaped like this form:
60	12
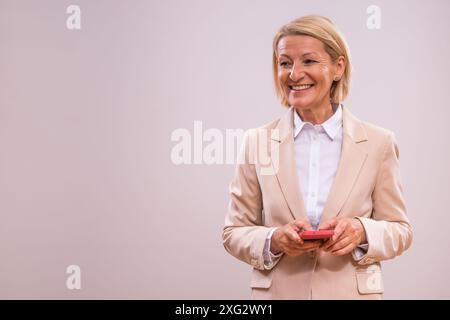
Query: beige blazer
367	186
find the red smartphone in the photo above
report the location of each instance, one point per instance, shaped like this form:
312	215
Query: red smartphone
316	234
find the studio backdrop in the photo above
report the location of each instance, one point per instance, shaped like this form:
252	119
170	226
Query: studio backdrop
120	123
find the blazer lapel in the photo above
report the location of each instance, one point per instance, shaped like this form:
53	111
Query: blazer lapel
353	156
286	172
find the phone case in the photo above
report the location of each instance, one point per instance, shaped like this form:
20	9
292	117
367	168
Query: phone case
318	234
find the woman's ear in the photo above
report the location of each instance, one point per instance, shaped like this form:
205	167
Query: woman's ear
340	68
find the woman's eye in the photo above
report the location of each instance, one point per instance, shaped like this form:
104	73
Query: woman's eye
284	63
309	61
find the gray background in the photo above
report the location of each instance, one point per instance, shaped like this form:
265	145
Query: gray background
86	116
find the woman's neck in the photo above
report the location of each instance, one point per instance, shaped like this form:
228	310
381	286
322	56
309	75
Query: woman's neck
316	115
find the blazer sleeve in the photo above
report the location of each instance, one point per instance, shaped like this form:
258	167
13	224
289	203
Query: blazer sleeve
388	230
244	234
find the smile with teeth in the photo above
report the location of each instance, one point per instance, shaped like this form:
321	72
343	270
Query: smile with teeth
300	87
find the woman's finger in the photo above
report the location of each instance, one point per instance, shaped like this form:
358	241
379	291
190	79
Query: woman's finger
341	243
292	235
302	224
307	245
315	246
330	243
330	224
344	250
339	230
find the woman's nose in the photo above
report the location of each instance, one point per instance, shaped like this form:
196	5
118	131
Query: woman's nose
296	73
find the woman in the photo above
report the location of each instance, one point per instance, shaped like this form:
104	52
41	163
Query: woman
332	171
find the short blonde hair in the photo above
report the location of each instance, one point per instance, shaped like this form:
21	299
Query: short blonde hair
335	45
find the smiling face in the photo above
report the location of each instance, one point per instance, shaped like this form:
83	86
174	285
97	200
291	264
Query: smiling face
306	72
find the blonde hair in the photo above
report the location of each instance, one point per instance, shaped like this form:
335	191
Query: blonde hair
335	45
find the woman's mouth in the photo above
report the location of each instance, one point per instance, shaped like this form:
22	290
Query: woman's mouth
301	87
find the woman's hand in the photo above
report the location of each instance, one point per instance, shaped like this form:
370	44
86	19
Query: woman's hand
348	234
286	239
